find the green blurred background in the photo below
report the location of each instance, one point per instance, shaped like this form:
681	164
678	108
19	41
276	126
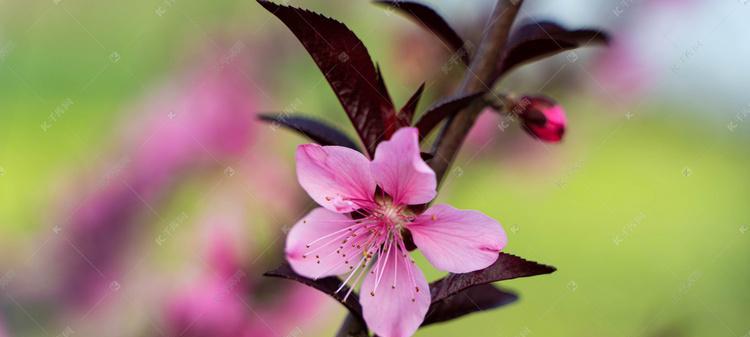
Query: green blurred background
642	208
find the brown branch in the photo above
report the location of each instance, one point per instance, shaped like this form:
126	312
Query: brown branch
352	327
477	78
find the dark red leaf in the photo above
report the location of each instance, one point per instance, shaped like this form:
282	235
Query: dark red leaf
346	65
506	267
316	130
536	40
441	110
326	285
474	299
432	21
381	84
392	122
406	115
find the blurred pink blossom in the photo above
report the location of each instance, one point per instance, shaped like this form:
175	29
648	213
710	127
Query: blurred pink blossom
3	332
625	69
622	69
222	302
487	125
203	119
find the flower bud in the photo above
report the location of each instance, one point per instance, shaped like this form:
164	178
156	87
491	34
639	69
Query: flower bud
542	117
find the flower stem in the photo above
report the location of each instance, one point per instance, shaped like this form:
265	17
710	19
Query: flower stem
478	77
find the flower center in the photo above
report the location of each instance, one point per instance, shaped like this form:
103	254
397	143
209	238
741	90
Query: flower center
373	242
394	217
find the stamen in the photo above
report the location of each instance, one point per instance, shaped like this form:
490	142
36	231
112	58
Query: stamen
350	276
332	234
337	265
385	262
356	281
395	272
408	269
335	239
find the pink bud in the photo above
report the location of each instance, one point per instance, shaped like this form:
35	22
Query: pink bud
542	117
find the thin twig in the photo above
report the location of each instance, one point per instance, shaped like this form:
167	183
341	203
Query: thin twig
477	78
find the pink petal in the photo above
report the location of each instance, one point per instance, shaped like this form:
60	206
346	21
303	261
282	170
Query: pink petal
395	311
312	244
458	241
336	177
399	169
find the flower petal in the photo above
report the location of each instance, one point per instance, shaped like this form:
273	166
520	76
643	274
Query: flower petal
457	241
399	169
395	311
336	177
313	242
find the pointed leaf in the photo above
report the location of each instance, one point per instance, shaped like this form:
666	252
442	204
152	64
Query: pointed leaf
535	40
406	115
381	84
326	285
441	110
506	267
474	299
432	21
391	120
316	130
346	65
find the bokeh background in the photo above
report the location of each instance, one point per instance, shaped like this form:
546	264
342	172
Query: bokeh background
140	197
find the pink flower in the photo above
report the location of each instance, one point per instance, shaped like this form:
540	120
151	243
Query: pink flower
541	117
377	194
